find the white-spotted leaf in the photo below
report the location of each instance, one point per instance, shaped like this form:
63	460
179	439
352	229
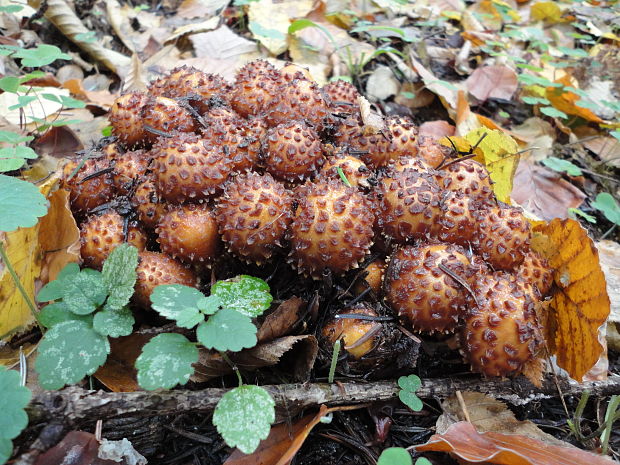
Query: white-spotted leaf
165	361
119	275
179	303
84	292
68	352
243	417
53	289
57	312
114	323
227	330
246	294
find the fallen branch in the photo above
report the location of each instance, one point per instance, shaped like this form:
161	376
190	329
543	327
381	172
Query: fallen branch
73	405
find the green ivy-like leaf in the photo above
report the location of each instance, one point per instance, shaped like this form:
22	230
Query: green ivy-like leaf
68	352
6	449
53	289
409	385
608	205
41	55
165	361
245	294
553	112
114	323
57	312
179	303
21	204
13	400
562	166
11	137
209	305
84	292
227	330
395	456
243	417
119	275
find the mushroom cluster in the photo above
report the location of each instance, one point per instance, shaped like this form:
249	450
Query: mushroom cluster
274	166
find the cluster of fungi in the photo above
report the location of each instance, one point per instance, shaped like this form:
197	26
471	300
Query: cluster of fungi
273	167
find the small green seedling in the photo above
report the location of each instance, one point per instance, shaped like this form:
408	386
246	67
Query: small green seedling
409	385
13	420
87	307
399	456
562	166
608	205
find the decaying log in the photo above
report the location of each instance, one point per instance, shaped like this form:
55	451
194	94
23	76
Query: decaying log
76	405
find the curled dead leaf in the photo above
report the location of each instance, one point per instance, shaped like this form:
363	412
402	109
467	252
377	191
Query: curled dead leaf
495	81
282	321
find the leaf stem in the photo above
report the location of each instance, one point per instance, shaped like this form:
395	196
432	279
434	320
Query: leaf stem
18	283
234	367
332	368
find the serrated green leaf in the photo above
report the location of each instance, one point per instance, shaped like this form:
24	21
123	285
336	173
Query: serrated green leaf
165	361
13	400
68	352
11	137
10	164
243	417
409	385
6	449
562	166
608	205
245	294
53	289
114	323
84	292
553	112
227	330
179	303
119	275
21	204
209	305
395	456
58	312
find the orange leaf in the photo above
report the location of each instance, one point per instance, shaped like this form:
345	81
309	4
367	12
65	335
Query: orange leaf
580	304
463	440
566	101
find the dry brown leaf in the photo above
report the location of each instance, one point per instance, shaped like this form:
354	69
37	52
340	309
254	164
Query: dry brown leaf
118	373
566	101
462	440
580	304
373	122
194	28
282	321
609	256
495	81
316	61
436	129
200	8
445	91
221	44
63	17
422	97
135	78
607	149
543	193
381	84
58	142
101	98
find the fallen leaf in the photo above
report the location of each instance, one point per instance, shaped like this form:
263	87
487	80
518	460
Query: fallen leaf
495	81
200	8
609	256
466	120
282	321
538	136
221	43
462	440
373	122
194	28
118	373
436	129
580	304
40	108
567	101
543	192
381	84
58	142
607	149
414	95
549	12
129	24
136	78
446	91
101	98
316	61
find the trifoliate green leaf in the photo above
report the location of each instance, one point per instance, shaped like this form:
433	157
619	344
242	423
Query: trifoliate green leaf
58	312
553	112
165	361
21	204
560	165
114	323
209	305
41	55
246	294
119	275
409	385
68	352
53	289
179	303
227	330
6	449
395	456
244	416
608	205
84	292
13	400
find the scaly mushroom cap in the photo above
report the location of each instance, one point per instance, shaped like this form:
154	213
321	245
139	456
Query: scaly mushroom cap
469	177
99	235
126	119
257	83
373	149
165	115
301	100
148	203
239	143
155	269
432	152
404	137
373	277
404	163
189	168
342	96
457	222
536	271
331	229
425	296
502	237
359	335
292	151
291	71
501	333
189	233
91	186
354	169
129	170
408	205
253	216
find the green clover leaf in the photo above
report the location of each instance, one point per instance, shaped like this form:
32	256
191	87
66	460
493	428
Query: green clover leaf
395	456
179	303
245	294
227	330
409	385
114	323
57	312
53	289
84	292
13	400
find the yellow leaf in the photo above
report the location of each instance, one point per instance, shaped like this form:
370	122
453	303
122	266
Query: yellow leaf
546	11
580	303
498	152
566	101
